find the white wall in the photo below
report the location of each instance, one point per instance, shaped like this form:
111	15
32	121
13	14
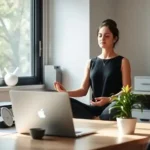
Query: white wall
134	24
69	36
73	26
100	10
73	40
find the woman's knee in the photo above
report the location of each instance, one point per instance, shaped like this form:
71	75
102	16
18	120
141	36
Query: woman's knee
108	114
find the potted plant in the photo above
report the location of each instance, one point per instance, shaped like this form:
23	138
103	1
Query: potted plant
124	104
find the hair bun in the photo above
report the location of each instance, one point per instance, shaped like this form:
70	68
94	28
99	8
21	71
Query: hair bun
109	22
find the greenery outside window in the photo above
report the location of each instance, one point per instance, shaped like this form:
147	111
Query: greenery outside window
21	40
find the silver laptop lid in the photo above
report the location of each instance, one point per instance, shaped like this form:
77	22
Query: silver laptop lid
42	109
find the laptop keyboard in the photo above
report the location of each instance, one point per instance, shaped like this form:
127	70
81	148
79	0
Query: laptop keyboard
78	132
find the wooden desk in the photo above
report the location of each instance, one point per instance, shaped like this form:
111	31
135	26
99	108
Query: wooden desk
107	138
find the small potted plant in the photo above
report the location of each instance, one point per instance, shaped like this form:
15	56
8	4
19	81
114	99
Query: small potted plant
124	104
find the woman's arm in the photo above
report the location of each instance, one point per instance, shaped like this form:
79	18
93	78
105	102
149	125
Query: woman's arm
82	91
126	72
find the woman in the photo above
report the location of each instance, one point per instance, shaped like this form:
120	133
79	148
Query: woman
106	75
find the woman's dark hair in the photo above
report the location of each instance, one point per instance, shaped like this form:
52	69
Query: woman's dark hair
112	25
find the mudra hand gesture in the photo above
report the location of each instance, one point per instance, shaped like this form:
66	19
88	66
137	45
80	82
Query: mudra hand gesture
59	87
101	101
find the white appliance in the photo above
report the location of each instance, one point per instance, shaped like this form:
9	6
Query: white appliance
142	83
51	75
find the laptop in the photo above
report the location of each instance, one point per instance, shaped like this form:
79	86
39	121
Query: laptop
47	110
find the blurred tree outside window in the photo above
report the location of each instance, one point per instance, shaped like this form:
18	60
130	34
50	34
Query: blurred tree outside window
16	37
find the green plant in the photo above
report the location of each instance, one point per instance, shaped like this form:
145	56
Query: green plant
125	102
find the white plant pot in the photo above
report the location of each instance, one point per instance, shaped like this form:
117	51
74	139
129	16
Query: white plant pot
126	126
11	79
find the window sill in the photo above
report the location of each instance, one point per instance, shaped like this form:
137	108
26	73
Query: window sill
26	87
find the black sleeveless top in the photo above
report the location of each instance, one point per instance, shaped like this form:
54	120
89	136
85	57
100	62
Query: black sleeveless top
105	76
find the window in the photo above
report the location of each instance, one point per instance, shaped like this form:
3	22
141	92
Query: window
21	40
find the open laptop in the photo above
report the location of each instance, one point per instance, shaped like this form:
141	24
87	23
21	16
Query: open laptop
42	109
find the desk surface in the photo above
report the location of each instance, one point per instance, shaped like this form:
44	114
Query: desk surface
107	137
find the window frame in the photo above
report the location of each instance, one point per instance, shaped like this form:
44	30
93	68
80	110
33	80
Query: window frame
36	46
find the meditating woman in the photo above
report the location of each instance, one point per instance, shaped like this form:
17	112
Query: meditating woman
106	74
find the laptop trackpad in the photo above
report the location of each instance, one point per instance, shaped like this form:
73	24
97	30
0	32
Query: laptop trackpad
83	131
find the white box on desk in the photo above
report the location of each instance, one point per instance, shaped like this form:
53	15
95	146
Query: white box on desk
142	83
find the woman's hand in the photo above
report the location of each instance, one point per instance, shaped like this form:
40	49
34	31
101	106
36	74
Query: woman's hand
59	87
100	101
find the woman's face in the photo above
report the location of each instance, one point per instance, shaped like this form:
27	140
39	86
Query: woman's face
105	38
